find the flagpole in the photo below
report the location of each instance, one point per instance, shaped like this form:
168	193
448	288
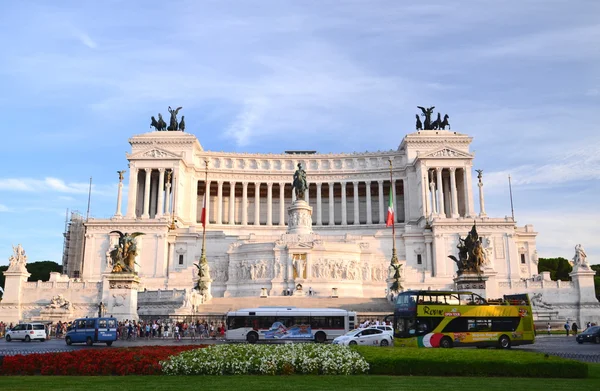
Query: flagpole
394	260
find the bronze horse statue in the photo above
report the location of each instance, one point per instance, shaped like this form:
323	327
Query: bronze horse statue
445	122
159	125
419	124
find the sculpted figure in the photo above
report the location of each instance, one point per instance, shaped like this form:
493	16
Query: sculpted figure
427	112
580	257
18	260
299	266
173	121
124	253
299	183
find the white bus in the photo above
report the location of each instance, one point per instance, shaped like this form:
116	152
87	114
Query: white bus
288	324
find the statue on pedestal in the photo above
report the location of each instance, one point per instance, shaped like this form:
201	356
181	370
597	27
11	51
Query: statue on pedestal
428	124
300	185
580	257
471	255
18	260
124	253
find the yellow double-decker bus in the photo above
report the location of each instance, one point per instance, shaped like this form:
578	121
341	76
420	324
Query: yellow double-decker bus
447	318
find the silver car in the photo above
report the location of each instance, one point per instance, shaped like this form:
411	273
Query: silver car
368	337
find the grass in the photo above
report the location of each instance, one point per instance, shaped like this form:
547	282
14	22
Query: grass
280	383
469	362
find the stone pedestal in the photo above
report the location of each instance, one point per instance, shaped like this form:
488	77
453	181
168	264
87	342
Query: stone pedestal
589	308
475	283
56	314
16	277
121	295
300	218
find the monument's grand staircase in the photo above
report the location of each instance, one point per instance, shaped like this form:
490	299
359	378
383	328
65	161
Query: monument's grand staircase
221	305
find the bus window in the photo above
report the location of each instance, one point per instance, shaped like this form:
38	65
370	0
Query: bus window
452	300
479	324
456	325
466	299
505	324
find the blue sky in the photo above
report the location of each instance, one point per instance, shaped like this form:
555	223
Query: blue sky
79	77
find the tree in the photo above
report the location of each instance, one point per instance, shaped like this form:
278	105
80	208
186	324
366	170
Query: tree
39	271
559	268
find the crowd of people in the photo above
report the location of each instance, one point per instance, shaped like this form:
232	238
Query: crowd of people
570	328
131	330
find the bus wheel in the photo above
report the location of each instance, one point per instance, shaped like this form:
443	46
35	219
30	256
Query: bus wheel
89	341
320	337
504	342
446	343
252	337
68	341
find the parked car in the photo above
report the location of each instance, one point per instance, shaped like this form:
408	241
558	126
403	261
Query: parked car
386	329
90	330
27	332
591	334
368	336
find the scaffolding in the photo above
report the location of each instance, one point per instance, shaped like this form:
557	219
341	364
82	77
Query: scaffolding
73	244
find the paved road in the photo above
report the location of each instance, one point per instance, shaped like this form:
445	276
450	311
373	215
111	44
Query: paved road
558	345
563	346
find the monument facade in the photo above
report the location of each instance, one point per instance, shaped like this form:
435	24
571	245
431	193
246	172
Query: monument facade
277	221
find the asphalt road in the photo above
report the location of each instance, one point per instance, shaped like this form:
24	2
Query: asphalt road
558	345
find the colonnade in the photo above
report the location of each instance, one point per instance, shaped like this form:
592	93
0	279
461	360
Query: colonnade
447	192
334	203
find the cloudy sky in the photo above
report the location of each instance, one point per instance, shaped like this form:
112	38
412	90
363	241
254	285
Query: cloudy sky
521	77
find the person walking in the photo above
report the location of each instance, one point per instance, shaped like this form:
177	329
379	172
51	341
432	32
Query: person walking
549	329
574	328
567	327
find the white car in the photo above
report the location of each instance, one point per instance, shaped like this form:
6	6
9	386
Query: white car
386	329
368	336
27	332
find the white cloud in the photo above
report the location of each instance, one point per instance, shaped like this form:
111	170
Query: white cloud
50	184
4	208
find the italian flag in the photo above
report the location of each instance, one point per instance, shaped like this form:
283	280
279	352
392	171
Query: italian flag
203	216
390	215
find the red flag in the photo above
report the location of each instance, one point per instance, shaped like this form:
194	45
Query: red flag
203	216
390	214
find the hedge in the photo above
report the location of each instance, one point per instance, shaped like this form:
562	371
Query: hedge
402	361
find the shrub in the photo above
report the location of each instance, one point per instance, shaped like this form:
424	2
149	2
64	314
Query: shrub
127	361
267	360
468	362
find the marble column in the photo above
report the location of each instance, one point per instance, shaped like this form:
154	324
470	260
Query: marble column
454	192
207	195
381	201
344	206
244	203
331	205
369	206
481	203
160	211
231	203
406	199
395	204
356	208
220	202
119	195
440	192
146	213
307	194
257	203
319	206
466	193
168	193
269	203
282	204
132	190
193	199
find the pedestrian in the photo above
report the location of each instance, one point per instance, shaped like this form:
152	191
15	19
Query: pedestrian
549	329
574	328
589	324
310	291
567	327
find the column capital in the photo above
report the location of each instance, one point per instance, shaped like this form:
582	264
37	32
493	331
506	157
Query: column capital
438	169
220	182
452	169
232	182
355	183
269	185
147	169
368	183
380	181
319	184
161	169
245	183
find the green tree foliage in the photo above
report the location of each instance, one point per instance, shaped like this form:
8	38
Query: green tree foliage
559	268
596	268
39	271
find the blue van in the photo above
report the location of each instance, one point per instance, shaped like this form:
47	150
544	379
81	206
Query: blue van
90	330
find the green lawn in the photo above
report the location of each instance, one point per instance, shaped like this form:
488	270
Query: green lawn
303	383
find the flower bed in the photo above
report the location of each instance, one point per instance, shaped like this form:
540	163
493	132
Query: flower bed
267	360
126	361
